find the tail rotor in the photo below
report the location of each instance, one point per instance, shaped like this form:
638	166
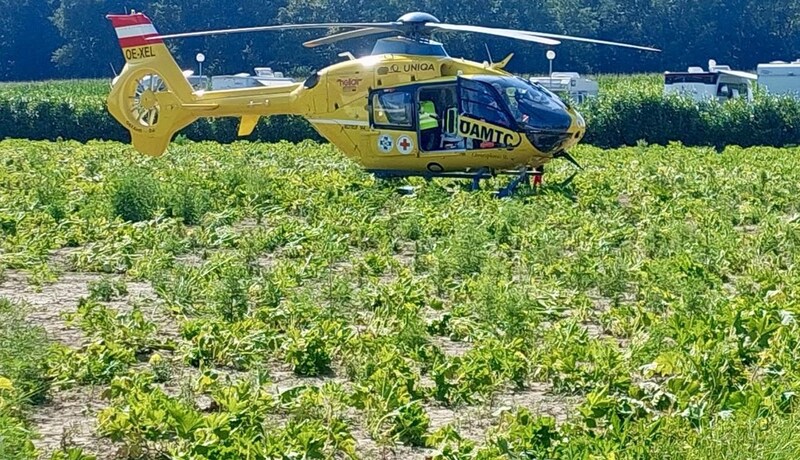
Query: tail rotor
149	95
144	105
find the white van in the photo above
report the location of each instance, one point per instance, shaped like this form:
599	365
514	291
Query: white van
718	82
571	83
780	77
264	76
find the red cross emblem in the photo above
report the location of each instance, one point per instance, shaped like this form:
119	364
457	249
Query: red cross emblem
405	145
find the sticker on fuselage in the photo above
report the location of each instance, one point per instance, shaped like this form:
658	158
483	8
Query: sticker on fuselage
405	145
385	143
487	132
349	84
140	52
412	67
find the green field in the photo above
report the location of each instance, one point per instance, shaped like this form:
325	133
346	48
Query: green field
272	301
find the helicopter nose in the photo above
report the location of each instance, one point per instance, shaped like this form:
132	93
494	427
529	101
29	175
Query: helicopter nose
573	134
580	122
554	139
576	130
552	142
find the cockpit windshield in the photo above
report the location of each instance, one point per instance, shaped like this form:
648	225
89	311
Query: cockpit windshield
531	104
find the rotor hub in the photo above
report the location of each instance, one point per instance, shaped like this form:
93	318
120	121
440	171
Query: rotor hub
413	25
417	18
148	100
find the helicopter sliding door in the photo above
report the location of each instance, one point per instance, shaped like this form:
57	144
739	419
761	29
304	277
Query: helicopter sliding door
392	119
484	119
437	119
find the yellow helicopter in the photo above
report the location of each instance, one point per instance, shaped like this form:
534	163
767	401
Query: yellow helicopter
407	109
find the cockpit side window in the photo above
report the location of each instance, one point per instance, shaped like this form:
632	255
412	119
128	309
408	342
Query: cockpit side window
479	100
530	104
393	109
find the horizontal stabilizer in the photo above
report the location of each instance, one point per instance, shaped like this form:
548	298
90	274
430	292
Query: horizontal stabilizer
248	124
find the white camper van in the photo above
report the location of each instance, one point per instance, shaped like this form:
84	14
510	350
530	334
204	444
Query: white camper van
155	82
780	77
264	76
718	82
570	83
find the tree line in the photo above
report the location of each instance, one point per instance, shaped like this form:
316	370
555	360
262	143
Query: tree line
54	39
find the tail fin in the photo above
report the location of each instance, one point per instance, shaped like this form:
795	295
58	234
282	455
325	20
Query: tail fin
148	96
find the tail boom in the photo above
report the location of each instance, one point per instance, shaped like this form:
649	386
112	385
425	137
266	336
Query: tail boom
153	99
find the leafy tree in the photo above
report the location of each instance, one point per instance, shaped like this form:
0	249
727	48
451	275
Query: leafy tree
90	43
228	53
27	38
82	43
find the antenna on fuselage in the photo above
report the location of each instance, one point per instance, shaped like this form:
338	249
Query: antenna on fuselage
489	53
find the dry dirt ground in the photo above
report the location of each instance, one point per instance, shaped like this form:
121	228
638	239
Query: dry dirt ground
69	417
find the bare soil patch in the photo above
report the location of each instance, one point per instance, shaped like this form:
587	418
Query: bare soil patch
69	419
48	303
472	422
452	348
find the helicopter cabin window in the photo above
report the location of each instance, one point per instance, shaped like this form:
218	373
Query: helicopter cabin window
481	101
393	109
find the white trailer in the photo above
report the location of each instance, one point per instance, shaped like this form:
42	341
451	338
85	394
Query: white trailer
153	82
719	82
569	83
198	82
264	76
782	78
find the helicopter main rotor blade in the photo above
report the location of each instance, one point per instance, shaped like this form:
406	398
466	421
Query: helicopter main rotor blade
346	35
508	33
331	25
592	40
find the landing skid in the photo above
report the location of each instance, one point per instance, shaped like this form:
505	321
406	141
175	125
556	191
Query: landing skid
520	176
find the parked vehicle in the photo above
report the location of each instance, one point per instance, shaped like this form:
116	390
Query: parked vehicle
264	76
780	77
571	84
719	82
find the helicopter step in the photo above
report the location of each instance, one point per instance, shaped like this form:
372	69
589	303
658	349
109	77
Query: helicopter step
535	175
521	176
